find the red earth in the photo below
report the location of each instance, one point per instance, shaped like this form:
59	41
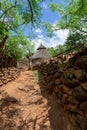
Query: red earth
35	109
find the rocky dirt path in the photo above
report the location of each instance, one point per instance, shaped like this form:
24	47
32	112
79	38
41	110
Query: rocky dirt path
35	109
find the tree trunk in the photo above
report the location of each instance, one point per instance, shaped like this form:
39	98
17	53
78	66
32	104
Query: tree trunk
3	42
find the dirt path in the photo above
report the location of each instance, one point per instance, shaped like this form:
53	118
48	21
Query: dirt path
37	110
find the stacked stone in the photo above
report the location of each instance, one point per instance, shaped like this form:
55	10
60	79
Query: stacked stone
7	75
68	81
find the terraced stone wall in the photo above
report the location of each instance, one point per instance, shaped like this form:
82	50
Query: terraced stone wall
68	81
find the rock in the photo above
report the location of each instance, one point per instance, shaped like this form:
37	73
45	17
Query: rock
69	83
65	89
81	121
56	89
83	106
72	100
9	99
7	75
81	62
80	75
67	79
58	74
85	114
72	61
1	83
64	99
57	81
71	108
79	94
51	86
84	86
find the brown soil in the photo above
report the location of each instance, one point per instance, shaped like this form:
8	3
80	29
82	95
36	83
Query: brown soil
35	109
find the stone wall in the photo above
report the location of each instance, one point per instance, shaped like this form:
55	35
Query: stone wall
6	62
7	75
67	79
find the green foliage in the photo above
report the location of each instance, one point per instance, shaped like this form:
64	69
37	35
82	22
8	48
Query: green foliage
73	15
58	49
52	51
74	39
61	48
15	13
3	30
48	27
30	49
17	46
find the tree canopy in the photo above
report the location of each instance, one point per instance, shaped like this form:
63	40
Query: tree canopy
73	15
15	13
18	46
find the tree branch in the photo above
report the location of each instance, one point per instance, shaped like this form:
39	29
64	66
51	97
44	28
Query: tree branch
82	3
5	12
81	30
31	9
3	42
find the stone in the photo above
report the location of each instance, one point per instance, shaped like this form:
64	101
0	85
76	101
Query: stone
65	99
72	100
79	94
71	108
80	75
65	89
81	62
57	81
9	99
83	106
69	83
56	89
84	86
81	121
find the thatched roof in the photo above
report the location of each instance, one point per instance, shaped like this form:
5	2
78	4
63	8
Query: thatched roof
41	47
41	53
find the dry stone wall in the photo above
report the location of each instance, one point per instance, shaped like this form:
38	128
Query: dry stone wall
67	79
6	62
8	74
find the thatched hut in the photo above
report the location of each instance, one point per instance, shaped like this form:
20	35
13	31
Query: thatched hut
41	55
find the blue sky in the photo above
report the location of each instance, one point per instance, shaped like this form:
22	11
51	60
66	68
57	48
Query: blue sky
48	16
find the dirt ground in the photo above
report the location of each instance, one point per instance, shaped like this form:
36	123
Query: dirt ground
35	109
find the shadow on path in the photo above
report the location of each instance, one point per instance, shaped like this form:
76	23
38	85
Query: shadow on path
59	119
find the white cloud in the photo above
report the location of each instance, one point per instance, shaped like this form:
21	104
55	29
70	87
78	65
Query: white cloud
38	31
62	35
58	39
44	5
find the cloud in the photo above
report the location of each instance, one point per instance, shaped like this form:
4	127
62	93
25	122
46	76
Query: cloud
38	31
58	39
44	5
61	35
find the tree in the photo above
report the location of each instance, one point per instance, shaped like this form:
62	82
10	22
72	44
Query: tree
18	46
57	50
73	15
15	13
30	49
52	51
74	39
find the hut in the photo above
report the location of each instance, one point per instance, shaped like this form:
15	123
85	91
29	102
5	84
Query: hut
41	55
